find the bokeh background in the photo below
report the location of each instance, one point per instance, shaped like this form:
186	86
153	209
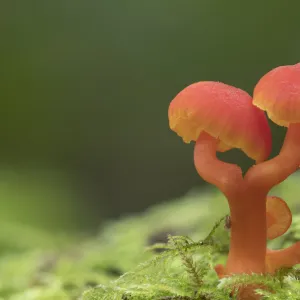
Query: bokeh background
85	88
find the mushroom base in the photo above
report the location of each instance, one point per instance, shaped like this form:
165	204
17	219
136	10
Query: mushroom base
248	232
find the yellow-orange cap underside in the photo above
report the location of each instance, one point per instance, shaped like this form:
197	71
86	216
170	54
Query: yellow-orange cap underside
279	217
278	93
226	113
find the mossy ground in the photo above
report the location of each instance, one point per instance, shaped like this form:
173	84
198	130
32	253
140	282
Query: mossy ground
119	263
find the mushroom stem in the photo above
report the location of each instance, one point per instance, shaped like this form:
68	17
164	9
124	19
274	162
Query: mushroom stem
247	208
272	172
223	175
287	257
248	232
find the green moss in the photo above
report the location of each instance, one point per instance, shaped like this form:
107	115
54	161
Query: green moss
121	262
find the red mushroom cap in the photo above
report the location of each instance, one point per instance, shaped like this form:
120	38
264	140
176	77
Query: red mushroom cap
278	93
224	112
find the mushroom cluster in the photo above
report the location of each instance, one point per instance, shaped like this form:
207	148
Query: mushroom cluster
219	117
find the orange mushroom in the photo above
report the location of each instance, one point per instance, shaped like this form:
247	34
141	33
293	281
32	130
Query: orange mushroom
219	117
279	217
278	93
225	113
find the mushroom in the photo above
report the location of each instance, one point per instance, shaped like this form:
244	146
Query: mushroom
278	93
219	117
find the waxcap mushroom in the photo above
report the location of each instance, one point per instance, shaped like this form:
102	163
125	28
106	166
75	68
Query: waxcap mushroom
224	112
278	93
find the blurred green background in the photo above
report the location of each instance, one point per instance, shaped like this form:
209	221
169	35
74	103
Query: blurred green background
85	89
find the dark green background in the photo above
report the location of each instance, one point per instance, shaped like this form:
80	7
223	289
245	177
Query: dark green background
85	89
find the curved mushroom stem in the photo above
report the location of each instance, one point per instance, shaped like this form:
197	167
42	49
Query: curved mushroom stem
223	175
247	209
272	172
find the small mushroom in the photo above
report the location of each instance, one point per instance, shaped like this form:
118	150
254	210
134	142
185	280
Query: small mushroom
223	112
219	117
278	93
279	217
